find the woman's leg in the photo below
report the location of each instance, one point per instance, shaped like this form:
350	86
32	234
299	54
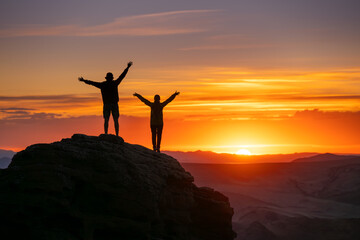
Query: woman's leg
159	133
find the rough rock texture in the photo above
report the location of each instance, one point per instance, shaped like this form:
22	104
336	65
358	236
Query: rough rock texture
102	188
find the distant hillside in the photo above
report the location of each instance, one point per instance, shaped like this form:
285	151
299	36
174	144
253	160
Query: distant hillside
296	200
4	162
221	158
5	158
6	153
326	157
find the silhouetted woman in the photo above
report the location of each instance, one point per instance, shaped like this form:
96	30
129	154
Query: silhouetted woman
156	120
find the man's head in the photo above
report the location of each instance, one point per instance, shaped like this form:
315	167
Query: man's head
157	98
109	76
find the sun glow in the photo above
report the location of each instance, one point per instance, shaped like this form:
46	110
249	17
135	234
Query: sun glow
243	152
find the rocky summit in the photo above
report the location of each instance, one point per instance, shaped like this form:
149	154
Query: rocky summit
89	187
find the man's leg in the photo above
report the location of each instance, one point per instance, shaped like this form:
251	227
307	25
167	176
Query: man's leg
159	133
153	137
106	115
115	113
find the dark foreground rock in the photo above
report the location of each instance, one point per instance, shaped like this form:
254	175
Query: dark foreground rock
102	188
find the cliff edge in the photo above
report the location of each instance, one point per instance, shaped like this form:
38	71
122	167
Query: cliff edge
93	188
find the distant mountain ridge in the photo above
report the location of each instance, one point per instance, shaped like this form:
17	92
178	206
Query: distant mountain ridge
221	158
5	158
326	157
210	157
4	162
6	153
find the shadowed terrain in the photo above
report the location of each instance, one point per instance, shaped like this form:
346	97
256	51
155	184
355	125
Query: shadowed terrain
305	199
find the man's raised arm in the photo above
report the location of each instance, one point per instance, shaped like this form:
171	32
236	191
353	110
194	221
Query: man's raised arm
170	99
121	77
144	100
95	84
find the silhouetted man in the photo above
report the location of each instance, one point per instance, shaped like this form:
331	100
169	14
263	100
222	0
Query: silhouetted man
156	120
110	97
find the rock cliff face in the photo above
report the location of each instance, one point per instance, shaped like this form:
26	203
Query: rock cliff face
103	188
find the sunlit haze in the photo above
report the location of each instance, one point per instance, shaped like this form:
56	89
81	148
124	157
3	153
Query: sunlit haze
243	152
255	77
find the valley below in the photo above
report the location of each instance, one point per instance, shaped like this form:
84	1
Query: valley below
302	199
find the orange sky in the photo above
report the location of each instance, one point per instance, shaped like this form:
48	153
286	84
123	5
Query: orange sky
266	80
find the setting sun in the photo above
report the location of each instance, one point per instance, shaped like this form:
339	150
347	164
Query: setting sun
243	152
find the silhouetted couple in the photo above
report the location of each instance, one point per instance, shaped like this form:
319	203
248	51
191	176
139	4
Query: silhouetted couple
110	97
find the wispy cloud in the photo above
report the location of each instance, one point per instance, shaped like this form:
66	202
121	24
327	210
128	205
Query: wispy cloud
164	23
316	114
15	109
55	106
224	47
306	130
229	42
15	113
58	98
273	97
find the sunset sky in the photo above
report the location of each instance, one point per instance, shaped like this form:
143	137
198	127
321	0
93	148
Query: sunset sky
269	76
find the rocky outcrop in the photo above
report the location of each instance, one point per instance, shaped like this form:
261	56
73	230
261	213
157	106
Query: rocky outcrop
103	188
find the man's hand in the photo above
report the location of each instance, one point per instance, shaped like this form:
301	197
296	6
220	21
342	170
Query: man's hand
129	64
176	93
81	79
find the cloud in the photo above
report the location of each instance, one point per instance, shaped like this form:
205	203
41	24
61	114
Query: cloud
229	42
317	114
224	47
332	131
29	115
15	113
12	106
57	98
206	106
53	106
164	23
272	97
15	109
62	98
